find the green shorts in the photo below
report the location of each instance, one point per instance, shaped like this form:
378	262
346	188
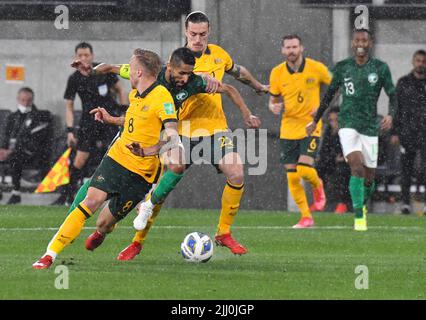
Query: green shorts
209	149
291	150
125	188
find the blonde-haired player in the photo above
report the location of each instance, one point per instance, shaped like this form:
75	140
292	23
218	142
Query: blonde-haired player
122	177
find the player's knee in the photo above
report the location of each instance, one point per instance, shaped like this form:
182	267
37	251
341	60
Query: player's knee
357	169
356	164
236	175
100	225
369	177
92	203
177	168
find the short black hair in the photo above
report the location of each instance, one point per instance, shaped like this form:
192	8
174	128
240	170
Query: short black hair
84	45
419	52
184	55
196	17
27	90
291	37
370	35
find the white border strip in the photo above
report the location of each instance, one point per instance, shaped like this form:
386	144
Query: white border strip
235	227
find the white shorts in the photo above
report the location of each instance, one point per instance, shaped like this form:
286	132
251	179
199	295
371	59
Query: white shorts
351	140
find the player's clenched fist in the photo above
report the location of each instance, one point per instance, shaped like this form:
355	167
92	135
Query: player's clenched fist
252	121
276	108
84	68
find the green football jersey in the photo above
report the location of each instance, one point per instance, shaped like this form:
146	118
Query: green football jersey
196	84
360	86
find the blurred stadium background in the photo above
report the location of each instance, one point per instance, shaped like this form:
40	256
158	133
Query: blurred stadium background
250	30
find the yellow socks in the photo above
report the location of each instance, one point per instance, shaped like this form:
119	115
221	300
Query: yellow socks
309	174
231	199
298	192
140	236
69	230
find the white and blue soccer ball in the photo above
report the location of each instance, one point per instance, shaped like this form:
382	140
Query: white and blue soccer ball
197	247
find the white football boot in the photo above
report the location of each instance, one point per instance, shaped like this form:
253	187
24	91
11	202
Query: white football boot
144	213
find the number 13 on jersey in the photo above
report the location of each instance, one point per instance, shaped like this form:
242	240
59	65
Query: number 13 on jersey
349	88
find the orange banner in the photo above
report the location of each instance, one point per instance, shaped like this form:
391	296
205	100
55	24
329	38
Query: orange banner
15	73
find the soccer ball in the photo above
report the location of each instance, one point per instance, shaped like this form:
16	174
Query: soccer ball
197	247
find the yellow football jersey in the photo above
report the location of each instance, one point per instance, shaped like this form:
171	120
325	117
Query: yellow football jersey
143	123
202	114
301	95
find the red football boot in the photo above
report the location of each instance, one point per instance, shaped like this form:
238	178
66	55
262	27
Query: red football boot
341	208
319	199
304	223
130	251
43	263
226	240
94	240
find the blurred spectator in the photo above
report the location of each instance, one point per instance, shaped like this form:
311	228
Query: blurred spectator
91	136
410	123
388	165
331	164
27	140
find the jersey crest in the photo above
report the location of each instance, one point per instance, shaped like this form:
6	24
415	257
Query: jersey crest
372	78
182	95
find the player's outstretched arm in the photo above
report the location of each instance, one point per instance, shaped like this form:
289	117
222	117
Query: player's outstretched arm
250	120
173	151
103	116
84	68
102	68
212	84
243	75
325	103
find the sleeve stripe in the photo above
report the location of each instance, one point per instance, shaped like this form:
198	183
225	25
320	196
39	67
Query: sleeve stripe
232	67
275	95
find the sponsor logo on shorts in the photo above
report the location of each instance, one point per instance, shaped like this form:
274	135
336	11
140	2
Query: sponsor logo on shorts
100	178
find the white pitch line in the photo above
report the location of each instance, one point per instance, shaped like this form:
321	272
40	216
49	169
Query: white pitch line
235	227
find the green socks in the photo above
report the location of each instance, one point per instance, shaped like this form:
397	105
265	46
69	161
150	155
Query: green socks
167	183
357	190
369	190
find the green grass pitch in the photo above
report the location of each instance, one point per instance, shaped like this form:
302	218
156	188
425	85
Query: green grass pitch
281	264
